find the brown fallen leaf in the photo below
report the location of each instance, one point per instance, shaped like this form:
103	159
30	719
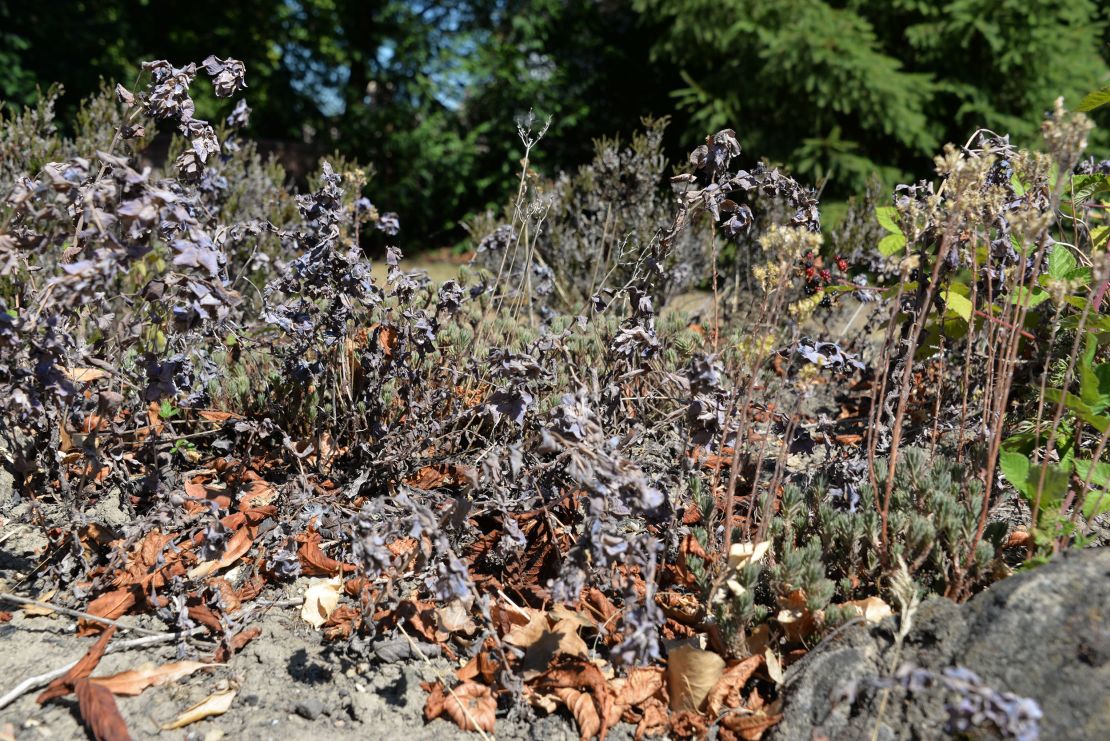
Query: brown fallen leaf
795	617
483	665
691	674
206	616
583	676
684	608
134	681
688	724
524	636
748	727
63	685
641	684
314	562
545	702
99	712
470	705
727	693
236	548
582	708
427	478
320	600
568	640
40	610
215	415
217	703
343	621
455	618
1019	538
85	375
655	720
257	494
231	646
871	609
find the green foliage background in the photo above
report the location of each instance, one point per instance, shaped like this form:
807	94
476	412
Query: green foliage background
429	92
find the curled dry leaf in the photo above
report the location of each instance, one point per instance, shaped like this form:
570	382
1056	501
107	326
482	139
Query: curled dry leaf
84	375
320	600
99	712
134	681
691	674
110	605
871	609
313	560
741	554
727	693
63	685
581	705
747	726
41	610
641	684
654	721
583	676
795	617
470	705
236	548
217	703
683	608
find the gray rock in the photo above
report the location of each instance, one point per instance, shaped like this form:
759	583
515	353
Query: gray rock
1043	635
6	481
310	709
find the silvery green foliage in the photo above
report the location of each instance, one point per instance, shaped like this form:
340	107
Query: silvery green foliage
593	229
934	508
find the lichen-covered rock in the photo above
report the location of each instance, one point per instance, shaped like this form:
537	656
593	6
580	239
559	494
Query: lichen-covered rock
1043	636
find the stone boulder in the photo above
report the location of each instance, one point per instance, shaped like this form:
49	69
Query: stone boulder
1042	635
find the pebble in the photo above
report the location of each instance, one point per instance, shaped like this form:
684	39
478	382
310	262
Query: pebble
310	709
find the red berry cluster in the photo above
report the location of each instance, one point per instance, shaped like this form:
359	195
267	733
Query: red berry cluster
816	275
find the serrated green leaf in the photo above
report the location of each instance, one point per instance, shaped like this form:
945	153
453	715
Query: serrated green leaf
1026	477
1084	187
1080	408
1061	262
1015	467
1094	381
888	219
892	244
1099	473
1029	298
1100	237
1094	99
957	304
1096	503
